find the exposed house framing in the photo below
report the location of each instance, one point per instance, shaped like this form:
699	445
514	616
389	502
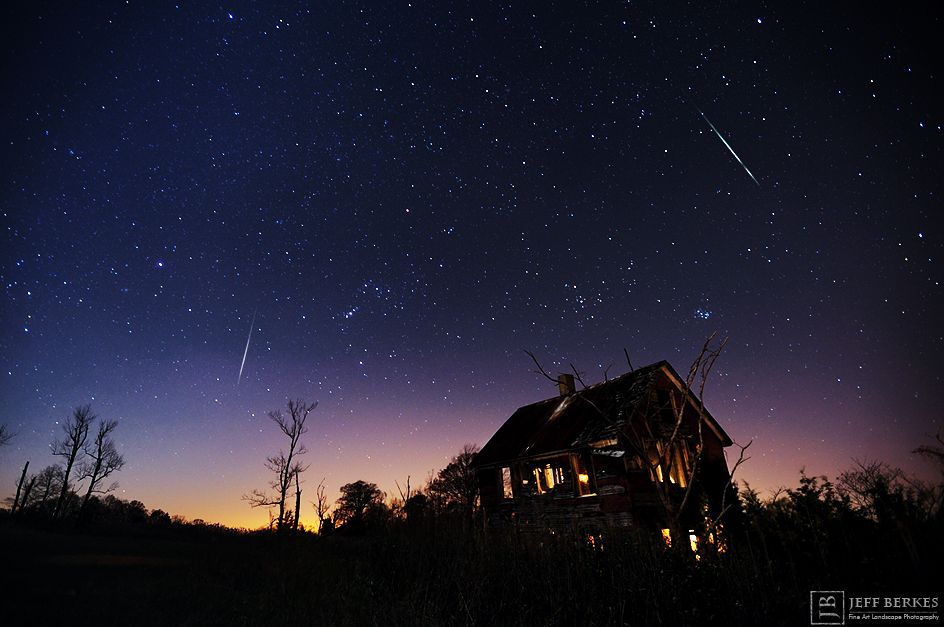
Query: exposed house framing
619	453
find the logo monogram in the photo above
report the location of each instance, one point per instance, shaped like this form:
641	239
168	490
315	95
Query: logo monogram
827	607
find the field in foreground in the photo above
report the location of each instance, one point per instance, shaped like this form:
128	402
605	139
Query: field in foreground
434	575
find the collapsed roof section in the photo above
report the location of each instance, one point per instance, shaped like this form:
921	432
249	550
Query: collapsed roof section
579	419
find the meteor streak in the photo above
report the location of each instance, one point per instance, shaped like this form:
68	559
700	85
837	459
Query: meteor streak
246	351
728	146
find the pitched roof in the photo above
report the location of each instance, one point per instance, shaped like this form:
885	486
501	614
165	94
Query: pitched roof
565	422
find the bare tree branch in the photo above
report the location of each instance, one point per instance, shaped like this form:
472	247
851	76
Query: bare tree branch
578	377
298	497
740	460
404	495
285	464
258	498
540	369
669	442
19	487
935	453
76	430
5	435
103	459
321	505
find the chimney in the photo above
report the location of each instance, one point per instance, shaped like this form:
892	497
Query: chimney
565	382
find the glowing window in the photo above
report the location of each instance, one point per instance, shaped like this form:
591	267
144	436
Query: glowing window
676	467
583	477
506	483
555	477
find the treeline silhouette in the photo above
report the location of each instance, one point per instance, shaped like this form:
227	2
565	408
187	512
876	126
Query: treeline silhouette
424	557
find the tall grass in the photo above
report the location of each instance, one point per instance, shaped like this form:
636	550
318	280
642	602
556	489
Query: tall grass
444	571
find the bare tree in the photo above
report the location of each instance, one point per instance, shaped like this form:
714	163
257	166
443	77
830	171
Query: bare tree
405	492
881	492
934	452
76	430
321	505
672	432
48	482
34	492
285	465
398	505
102	459
19	488
298	500
28	491
5	435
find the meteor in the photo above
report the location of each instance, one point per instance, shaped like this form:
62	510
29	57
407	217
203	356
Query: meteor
246	351
728	146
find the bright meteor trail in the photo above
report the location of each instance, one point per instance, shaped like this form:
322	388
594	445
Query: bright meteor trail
728	146
246	351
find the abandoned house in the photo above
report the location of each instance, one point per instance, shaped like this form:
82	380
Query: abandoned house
618	453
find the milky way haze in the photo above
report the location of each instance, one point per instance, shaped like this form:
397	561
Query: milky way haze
408	195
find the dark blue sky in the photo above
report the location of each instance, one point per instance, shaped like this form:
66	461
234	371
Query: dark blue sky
408	195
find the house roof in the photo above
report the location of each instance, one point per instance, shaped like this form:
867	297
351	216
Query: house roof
566	422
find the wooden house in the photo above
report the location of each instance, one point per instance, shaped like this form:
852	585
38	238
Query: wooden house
619	453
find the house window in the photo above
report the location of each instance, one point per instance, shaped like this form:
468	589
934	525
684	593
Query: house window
557	475
680	468
550	477
506	483
583	477
677	468
607	466
545	478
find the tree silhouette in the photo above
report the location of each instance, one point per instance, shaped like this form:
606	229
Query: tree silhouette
357	501
285	465
456	486
321	505
48	483
19	488
934	452
159	517
76	430
5	435
103	459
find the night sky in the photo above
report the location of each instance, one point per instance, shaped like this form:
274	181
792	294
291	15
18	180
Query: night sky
405	196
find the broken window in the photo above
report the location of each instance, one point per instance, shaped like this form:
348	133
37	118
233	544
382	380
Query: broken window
583	477
548	477
677	465
680	468
608	464
506	483
655	464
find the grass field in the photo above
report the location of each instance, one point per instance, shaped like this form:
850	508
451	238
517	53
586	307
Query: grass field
437	575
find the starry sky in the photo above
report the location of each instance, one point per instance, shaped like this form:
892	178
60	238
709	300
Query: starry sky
406	195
